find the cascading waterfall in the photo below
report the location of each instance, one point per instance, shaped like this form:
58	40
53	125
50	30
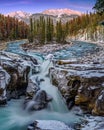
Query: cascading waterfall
57	104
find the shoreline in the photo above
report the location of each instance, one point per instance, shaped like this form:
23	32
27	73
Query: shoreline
3	44
97	57
93	42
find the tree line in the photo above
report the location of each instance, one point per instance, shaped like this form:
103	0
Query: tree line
44	30
12	28
88	24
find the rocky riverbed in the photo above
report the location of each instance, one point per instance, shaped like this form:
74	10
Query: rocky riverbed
80	80
47	48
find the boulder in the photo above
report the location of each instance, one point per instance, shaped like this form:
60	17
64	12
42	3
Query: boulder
39	101
33	86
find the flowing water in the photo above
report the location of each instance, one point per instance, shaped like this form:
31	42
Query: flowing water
13	117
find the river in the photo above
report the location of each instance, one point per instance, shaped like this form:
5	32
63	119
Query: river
13	117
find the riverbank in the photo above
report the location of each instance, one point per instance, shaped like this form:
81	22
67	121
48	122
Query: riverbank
3	44
97	57
47	48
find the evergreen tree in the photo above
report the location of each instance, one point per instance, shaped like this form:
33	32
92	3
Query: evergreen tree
59	32
11	28
99	6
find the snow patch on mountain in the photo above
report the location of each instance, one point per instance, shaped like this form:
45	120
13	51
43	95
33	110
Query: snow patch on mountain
61	11
19	14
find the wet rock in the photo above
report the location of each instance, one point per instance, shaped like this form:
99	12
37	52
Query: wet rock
64	62
39	101
33	126
49	98
33	86
71	103
99	105
48	125
93	123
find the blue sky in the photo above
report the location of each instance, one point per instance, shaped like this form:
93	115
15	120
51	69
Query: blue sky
34	6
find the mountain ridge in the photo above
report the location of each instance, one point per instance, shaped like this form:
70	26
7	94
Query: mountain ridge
56	14
61	11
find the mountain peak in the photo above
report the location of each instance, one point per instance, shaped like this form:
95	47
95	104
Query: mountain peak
61	11
19	14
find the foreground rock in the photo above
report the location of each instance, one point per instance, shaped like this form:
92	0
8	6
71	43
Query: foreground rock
81	84
38	102
48	125
18	69
4	81
33	86
93	123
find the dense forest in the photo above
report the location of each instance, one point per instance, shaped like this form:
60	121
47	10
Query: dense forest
11	28
44	30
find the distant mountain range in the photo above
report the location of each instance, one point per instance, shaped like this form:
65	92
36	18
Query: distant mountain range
56	14
24	16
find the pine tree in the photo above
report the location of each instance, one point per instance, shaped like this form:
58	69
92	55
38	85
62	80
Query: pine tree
99	6
31	35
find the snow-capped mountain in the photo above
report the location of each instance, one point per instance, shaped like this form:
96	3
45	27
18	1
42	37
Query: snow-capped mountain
20	15
59	12
56	14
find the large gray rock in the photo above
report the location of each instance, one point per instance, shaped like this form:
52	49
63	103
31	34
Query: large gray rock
39	101
33	86
4	81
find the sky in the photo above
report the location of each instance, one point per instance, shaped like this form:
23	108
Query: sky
35	6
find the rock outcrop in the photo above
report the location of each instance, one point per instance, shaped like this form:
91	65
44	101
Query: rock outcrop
38	102
81	85
18	68
33	86
36	98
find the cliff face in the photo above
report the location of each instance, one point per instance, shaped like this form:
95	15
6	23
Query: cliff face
14	71
88	35
82	85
